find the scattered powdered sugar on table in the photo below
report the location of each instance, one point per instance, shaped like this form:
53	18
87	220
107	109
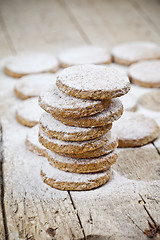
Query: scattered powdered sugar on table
84	55
136	51
32	62
57	99
146	71
93	77
30	110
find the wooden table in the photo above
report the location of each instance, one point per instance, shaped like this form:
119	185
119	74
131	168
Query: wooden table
31	210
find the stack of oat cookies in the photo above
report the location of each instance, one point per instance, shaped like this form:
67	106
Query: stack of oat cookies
75	128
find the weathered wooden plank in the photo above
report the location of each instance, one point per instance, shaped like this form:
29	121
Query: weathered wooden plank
42	25
111	22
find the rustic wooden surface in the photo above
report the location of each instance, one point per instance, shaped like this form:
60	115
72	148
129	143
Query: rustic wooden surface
114	211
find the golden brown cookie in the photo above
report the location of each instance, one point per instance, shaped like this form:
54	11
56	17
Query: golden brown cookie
78	165
84	55
150	100
110	114
73	147
55	129
32	85
107	148
73	181
32	143
135	130
60	104
93	82
28	112
131	52
145	73
31	63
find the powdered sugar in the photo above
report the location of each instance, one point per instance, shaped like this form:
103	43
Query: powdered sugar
28	63
93	78
32	137
84	55
129	101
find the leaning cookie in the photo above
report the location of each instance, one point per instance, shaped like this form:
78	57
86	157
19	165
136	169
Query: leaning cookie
134	130
55	129
110	114
77	165
131	52
73	181
32	85
145	73
73	147
84	55
62	105
93	82
28	112
32	143
31	63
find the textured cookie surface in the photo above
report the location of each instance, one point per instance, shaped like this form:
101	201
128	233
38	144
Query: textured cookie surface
84	55
135	130
110	114
73	181
132	52
145	73
110	146
60	104
31	63
150	100
28	112
73	147
32	143
82	165
55	129
32	85
93	82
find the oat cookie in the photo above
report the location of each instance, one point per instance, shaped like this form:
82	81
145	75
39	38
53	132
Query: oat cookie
32	143
60	104
31	63
73	181
150	100
77	165
28	112
110	146
93	82
32	85
145	73
135	130
55	129
131	52
84	55
73	147
110	114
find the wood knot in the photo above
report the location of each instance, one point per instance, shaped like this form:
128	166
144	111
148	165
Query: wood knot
51	232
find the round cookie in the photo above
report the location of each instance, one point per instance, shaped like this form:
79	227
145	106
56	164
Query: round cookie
55	129
134	130
32	143
93	82
77	165
84	55
73	181
131	52
73	147
32	85
145	73
150	100
31	63
112	113
106	149
28	112
129	102
60	104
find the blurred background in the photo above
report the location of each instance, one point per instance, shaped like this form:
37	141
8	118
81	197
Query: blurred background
55	25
